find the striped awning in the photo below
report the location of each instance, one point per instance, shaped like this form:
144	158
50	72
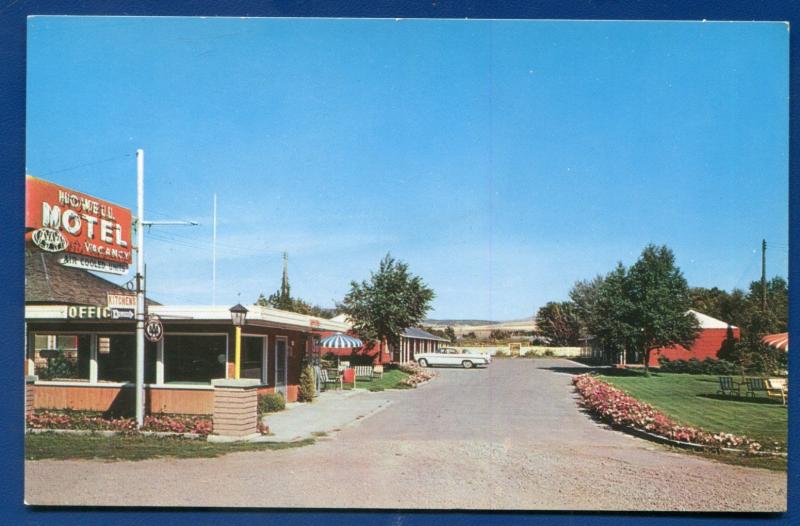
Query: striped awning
779	341
340	341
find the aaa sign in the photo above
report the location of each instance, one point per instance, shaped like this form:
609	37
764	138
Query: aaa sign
58	219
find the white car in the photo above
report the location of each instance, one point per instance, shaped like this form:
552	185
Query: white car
452	356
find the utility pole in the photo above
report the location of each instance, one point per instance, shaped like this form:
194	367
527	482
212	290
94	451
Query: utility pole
763	275
139	397
214	255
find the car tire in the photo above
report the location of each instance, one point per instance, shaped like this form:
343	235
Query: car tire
423	362
467	364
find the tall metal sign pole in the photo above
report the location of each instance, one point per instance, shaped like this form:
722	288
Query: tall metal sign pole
763	275
139	398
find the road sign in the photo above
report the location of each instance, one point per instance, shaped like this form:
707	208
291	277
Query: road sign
122	314
153	330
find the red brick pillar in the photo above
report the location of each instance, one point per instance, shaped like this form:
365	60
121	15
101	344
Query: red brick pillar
29	394
235	407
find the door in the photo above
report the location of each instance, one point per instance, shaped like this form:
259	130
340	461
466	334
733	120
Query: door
281	351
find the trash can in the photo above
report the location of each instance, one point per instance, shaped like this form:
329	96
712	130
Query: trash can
349	376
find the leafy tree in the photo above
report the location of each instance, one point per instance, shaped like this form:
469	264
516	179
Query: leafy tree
584	296
450	334
659	300
610	319
391	300
776	316
558	322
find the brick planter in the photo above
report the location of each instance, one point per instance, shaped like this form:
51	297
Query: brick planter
29	394
235	408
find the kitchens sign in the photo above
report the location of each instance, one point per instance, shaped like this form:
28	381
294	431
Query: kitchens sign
89	232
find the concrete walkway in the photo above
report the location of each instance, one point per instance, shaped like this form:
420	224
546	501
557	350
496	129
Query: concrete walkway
331	411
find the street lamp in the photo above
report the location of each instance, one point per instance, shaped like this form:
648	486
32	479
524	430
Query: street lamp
238	317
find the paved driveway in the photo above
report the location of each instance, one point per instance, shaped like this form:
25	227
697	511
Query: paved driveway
506	437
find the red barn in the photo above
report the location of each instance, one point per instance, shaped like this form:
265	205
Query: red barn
713	334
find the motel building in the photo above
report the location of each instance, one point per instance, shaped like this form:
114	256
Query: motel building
67	319
413	340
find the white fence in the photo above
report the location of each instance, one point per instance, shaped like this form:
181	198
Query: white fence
534	350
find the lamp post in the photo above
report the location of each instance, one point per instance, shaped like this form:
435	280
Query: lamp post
238	317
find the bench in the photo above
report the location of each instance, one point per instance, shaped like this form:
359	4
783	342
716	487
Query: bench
777	388
755	386
326	378
727	387
363	372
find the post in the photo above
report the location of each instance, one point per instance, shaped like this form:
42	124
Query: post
763	275
93	358
138	399
237	360
214	255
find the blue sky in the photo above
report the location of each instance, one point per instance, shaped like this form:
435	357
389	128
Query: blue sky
503	160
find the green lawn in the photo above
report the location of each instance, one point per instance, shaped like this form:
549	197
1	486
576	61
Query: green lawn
691	400
61	446
391	380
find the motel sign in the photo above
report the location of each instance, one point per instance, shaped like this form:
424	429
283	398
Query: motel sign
89	233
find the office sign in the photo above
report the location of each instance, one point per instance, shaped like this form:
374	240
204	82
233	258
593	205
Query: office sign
88	312
89	232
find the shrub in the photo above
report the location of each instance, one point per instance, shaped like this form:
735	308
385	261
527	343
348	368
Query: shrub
58	366
307	389
271	403
500	354
548	352
694	366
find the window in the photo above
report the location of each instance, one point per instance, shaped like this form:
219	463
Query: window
116	358
61	357
194	358
253	357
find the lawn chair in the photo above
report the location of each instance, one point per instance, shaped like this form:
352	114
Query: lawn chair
755	386
377	371
727	387
326	377
778	388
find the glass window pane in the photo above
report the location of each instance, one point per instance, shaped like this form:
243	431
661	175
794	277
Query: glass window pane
194	358
40	341
69	342
252	357
119	363
63	363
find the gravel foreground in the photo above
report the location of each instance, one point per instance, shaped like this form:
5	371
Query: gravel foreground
508	437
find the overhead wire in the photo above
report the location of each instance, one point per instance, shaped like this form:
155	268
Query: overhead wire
84	165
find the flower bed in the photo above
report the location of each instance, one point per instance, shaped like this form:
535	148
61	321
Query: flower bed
79	420
417	374
615	407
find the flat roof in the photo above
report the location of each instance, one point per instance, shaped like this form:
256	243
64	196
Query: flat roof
256	315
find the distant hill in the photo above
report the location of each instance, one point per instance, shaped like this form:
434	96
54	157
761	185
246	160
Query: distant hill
482	328
445	323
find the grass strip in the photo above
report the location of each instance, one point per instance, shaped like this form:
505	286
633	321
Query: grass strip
63	446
